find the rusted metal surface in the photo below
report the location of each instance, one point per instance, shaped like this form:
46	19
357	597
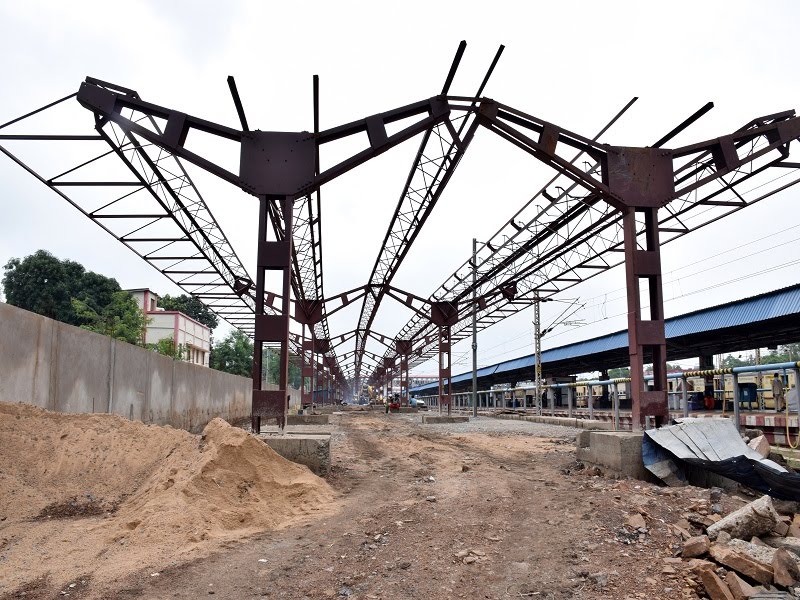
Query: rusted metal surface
607	204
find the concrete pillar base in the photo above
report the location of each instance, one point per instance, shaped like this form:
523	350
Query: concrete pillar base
435	419
617	452
313	451
307	420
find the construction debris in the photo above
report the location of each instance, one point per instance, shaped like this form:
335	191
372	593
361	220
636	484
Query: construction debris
756	518
715	446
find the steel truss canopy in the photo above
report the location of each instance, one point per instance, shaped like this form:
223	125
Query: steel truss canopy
604	206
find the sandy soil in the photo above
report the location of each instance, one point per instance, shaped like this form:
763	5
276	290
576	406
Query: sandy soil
93	498
494	509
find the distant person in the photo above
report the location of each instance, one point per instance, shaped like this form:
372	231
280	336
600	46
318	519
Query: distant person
777	393
708	401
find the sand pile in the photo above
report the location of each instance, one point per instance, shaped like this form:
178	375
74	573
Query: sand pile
231	482
104	496
51	458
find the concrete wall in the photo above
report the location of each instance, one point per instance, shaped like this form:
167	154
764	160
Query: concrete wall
67	369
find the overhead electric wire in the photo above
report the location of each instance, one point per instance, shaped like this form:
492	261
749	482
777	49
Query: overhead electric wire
621	314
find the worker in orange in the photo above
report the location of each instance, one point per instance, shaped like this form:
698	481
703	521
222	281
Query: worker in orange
708	401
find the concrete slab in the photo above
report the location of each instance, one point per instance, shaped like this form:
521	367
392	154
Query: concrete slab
307	419
436	419
618	452
313	451
588	424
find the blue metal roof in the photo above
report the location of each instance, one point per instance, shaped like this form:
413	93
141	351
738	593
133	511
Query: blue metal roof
611	341
780	303
772	305
516	363
468	375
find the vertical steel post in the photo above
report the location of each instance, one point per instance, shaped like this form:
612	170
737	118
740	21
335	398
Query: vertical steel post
444	367
685	396
643	179
306	369
474	328
736	392
538	349
272	256
403	349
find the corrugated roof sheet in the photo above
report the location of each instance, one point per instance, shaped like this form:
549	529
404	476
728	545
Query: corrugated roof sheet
772	305
780	303
611	341
516	363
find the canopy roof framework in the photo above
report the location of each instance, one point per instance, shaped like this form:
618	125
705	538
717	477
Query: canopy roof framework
606	205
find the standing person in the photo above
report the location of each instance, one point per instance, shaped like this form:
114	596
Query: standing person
777	393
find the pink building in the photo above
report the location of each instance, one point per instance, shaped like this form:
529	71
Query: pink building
184	330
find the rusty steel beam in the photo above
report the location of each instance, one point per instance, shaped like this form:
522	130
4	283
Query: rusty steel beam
619	204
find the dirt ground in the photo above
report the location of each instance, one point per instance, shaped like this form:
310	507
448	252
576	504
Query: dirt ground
491	509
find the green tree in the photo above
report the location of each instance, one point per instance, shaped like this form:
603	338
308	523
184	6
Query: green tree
191	306
234	354
122	319
272	366
97	291
733	361
43	284
167	347
774	357
792	351
619	373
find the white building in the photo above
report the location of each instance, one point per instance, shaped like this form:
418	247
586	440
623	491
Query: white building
184	330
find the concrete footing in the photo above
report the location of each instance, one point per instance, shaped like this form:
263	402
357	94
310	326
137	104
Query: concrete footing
408	409
592	424
307	420
314	451
617	452
436	419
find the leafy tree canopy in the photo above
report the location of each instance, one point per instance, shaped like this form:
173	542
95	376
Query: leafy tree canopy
192	307
167	347
122	319
787	353
43	284
234	354
734	361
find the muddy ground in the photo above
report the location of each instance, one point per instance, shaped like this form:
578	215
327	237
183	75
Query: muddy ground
490	509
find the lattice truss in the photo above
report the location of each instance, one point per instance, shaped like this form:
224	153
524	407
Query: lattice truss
438	156
569	232
566	233
151	205
143	196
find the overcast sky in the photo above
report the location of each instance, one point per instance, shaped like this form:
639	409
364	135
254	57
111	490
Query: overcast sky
572	63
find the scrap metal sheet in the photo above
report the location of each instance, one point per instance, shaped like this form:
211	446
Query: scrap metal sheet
715	445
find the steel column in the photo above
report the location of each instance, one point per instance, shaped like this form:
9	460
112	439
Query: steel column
643	179
306	369
403	348
444	367
272	256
